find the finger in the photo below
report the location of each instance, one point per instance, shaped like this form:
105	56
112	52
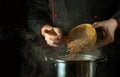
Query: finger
53	44
53	40
50	36
102	43
54	33
97	24
50	32
58	32
107	40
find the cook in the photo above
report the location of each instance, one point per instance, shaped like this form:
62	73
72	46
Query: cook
67	14
60	16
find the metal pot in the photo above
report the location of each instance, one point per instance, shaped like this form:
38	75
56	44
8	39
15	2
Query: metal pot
86	67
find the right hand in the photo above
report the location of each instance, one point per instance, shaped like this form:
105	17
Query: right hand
108	27
53	39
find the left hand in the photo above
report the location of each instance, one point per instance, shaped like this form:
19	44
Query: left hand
53	35
108	27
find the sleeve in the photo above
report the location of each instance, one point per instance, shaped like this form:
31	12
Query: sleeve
117	17
38	14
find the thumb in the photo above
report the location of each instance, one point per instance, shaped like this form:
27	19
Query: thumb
96	24
58	32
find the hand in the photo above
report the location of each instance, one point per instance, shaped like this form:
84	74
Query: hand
53	35
108	27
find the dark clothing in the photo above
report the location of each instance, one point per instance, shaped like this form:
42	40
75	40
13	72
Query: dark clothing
64	14
67	14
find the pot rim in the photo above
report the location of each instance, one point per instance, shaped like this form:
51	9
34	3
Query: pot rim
83	58
63	61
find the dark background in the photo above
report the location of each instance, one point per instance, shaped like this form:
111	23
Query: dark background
13	14
12	21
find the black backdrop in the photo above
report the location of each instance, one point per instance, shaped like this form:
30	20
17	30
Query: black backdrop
12	20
